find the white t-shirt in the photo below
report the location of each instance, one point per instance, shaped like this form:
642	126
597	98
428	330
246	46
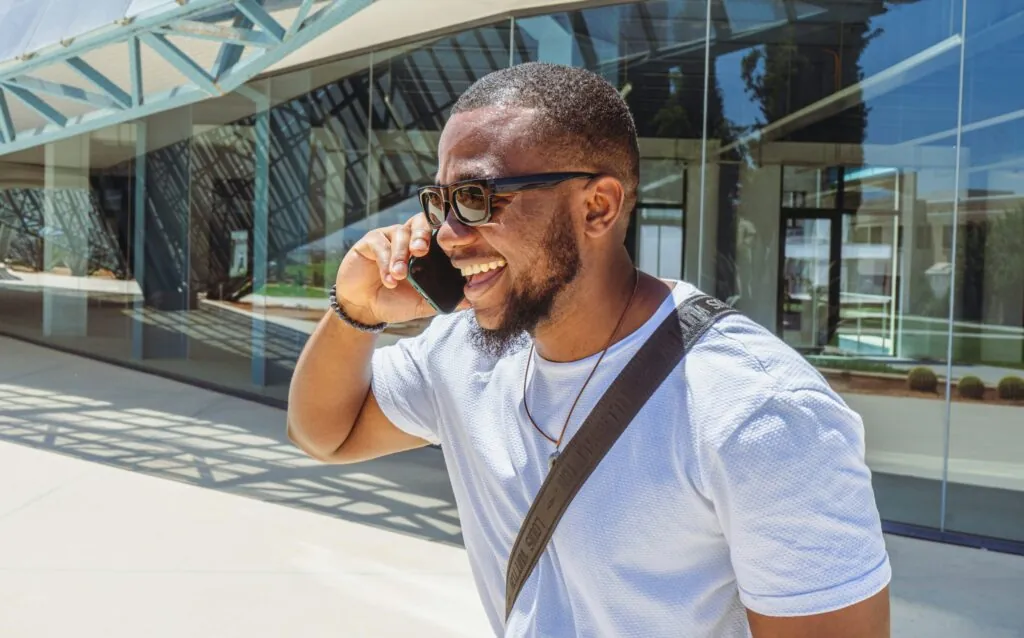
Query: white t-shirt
741	482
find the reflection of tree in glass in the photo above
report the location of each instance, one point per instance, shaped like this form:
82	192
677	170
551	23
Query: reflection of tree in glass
990	268
787	75
798	66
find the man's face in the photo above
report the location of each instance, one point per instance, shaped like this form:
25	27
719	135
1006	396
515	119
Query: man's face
529	247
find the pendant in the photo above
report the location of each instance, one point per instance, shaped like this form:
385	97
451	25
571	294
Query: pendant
552	459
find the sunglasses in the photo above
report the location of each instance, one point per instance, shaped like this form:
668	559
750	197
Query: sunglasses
472	200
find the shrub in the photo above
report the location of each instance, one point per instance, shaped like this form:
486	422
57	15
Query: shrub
971	387
1011	388
922	379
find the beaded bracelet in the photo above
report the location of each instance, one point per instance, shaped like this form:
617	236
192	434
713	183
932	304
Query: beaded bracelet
358	325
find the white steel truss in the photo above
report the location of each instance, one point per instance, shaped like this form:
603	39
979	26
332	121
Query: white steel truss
236	25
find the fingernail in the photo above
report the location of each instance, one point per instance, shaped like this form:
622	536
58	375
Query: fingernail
419	244
398	267
389	280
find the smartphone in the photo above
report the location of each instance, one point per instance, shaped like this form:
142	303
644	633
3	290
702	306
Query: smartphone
434	277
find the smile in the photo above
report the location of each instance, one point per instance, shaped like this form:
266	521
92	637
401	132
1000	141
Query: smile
476	269
481	277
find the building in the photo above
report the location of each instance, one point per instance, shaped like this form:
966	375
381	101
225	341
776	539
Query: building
177	189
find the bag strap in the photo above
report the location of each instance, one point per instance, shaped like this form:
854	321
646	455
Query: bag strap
644	373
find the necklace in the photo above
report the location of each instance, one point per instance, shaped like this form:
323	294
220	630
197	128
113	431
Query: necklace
558	441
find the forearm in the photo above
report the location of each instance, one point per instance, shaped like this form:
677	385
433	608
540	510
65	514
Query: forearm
329	386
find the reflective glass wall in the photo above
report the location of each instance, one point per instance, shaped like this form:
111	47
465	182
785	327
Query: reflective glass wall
846	172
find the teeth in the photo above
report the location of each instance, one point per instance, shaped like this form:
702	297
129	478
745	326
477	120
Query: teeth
476	269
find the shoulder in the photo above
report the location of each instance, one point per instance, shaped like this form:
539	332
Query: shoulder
740	373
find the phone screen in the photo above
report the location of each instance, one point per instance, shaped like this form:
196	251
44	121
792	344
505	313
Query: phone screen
434	276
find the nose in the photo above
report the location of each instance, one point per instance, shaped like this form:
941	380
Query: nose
453	235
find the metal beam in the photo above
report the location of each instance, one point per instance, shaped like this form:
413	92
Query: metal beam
6	124
325	20
260	17
139	236
186	65
260	232
307	6
148	27
230	54
165	101
73	93
35	103
217	33
101	81
135	64
104	36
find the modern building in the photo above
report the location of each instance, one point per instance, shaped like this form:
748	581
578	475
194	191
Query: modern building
180	179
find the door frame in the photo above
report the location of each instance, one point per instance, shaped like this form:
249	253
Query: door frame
835	266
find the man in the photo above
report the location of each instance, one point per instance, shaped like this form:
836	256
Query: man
737	503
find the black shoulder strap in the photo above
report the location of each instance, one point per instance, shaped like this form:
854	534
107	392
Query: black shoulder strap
627	394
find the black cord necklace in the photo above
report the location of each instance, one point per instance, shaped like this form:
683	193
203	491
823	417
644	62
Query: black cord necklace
558	441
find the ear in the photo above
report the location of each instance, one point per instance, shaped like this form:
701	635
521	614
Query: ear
606	199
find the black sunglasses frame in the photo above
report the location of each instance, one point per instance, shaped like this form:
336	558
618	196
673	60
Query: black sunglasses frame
491	188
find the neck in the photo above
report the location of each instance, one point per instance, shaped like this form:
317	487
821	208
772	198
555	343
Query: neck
585	316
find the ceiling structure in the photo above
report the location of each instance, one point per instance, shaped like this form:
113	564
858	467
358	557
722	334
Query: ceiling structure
69	67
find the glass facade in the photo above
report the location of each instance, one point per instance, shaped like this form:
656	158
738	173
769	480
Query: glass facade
848	173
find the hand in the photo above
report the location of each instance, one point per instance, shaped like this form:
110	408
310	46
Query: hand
371	279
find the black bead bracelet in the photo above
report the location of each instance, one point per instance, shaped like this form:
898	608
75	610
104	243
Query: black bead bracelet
358	325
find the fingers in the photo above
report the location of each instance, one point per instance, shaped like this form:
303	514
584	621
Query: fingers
377	246
399	253
392	247
420	232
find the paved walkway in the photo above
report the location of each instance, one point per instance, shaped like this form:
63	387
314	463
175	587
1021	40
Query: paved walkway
251	539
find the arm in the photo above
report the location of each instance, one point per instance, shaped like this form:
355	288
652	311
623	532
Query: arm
866	619
796	505
332	413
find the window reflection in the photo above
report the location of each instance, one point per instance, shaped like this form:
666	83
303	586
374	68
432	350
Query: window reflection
824	147
808	175
985	494
653	52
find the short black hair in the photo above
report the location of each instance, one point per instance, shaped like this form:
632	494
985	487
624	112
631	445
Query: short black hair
583	115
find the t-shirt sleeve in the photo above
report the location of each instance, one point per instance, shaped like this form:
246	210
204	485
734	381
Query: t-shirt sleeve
402	386
794	497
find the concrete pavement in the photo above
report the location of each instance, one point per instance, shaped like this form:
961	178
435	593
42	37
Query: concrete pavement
252	539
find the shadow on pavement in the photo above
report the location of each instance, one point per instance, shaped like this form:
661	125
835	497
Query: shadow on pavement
105	414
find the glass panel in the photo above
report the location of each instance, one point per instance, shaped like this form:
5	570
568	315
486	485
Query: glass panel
66	222
317	186
823	124
660	218
413	93
867	293
653	52
17	24
142	6
63	19
806	267
986	464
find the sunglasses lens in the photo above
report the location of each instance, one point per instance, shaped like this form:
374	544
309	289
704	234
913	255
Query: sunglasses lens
433	207
471	203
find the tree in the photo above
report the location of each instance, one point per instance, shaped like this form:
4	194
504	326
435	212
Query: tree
1004	261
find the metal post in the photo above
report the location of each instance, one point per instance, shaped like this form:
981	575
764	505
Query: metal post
261	212
139	240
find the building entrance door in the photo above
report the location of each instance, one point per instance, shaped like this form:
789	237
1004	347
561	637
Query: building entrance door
809	283
838	260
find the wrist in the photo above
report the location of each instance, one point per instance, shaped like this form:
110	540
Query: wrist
355	316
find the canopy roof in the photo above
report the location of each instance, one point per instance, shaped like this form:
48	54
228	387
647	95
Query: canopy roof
154	55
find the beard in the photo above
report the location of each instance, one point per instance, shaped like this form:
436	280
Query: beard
531	302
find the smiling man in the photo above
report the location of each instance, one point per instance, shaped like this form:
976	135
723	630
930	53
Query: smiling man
736	503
